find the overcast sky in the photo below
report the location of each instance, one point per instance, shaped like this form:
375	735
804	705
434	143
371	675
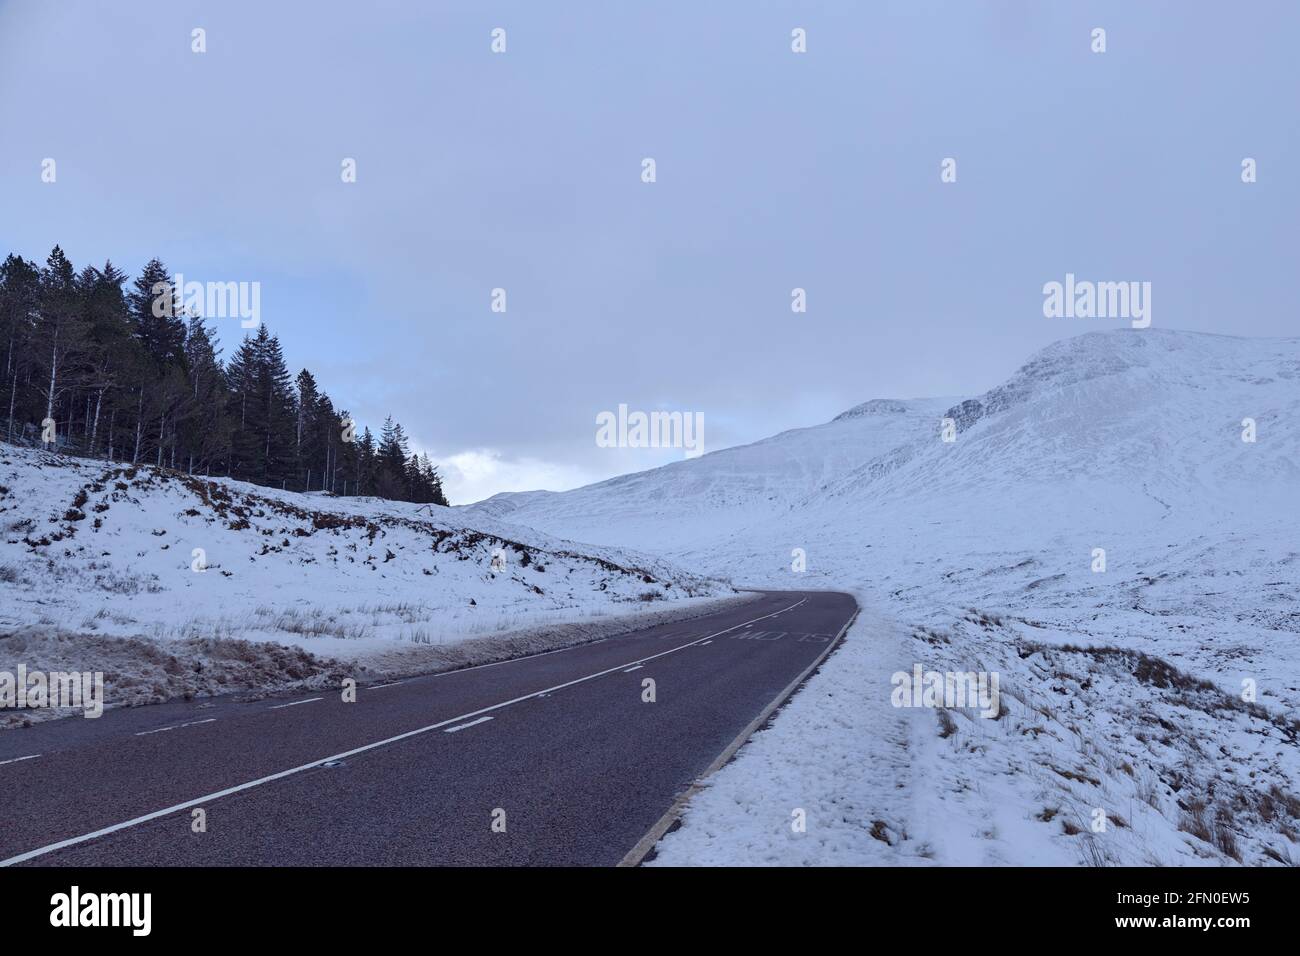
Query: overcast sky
775	170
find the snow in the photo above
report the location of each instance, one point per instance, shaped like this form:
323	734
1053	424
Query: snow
1122	689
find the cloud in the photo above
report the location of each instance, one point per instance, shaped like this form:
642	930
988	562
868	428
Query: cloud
473	475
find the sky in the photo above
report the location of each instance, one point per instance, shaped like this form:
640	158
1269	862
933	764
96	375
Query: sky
522	170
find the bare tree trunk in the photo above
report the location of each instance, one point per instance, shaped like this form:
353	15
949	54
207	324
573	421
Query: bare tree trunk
13	396
54	375
139	426
13	392
11	376
94	430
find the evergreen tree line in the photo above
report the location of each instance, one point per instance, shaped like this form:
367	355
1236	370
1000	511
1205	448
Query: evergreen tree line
89	363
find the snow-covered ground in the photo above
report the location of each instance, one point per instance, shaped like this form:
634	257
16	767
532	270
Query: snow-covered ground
105	564
1124	691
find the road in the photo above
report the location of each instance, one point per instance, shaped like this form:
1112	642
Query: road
561	750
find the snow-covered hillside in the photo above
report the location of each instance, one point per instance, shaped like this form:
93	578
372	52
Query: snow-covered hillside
106	550
1126	677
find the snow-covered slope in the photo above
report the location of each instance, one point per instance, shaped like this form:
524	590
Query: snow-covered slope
105	548
1149	420
1111	433
704	499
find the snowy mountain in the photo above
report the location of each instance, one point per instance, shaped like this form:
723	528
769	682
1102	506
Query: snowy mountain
1109	430
679	506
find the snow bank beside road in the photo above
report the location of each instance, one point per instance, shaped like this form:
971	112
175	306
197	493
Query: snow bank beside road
140	671
826	785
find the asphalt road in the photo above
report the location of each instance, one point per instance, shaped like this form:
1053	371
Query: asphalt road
561	747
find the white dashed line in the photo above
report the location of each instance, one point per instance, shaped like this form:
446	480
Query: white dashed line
452	730
17	759
159	730
297	702
382	686
631	669
706	644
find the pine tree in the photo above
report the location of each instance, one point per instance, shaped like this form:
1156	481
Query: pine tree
60	338
275	392
326	440
347	456
19	302
264	411
415	488
433	482
209	430
158	326
367	464
390	461
113	352
243	458
159	316
264	441
307	432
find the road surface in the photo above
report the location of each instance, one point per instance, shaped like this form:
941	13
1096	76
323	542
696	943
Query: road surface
562	751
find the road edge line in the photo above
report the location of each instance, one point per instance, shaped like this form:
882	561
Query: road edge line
656	833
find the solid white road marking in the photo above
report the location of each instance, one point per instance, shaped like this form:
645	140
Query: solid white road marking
159	730
382	686
297	702
270	778
452	730
17	759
